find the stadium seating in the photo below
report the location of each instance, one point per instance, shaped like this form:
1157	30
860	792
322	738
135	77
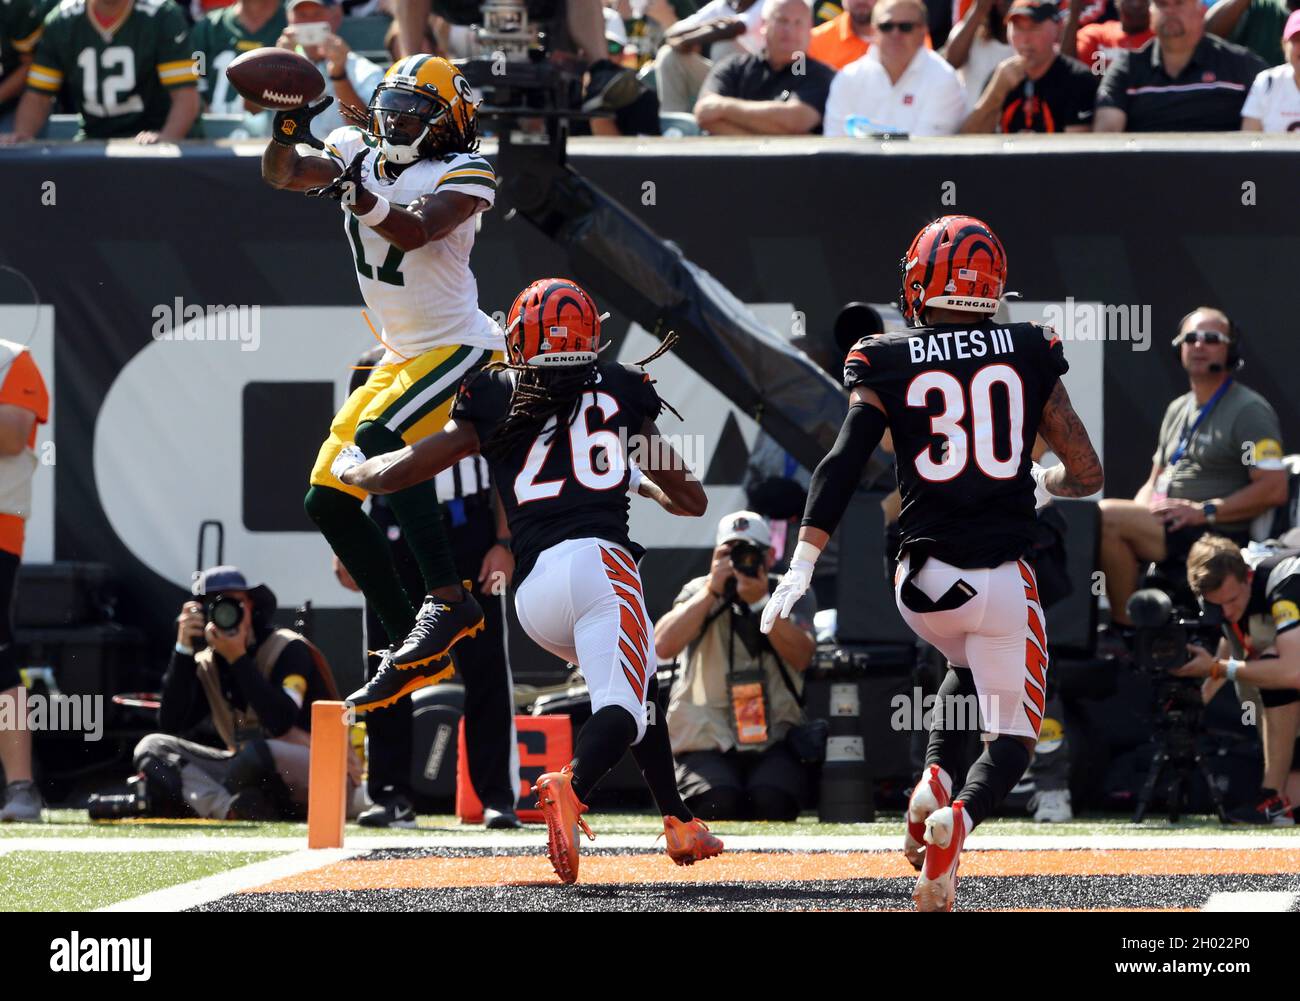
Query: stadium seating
224	127
365	35
678	123
61	127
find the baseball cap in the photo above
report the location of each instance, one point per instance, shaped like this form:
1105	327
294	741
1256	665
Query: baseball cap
746	525
1037	10
614	29
1292	26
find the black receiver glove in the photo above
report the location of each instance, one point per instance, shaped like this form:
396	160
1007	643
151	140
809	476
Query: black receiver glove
343	188
293	127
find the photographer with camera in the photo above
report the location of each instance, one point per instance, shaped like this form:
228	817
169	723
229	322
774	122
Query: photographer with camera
734	714
255	684
1260	650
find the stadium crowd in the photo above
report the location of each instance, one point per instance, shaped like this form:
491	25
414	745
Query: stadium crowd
153	69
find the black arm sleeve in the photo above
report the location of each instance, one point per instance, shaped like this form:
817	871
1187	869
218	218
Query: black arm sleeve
273	706
183	704
837	476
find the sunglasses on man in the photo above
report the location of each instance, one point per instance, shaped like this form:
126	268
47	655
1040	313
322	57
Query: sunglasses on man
1202	337
906	27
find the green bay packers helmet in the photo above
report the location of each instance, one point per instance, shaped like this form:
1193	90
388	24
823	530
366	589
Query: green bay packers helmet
424	107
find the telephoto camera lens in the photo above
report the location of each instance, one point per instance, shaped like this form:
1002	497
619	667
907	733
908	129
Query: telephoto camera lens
115	806
746	558
225	612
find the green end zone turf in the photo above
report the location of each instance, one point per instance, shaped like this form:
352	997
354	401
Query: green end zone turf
83	881
73	824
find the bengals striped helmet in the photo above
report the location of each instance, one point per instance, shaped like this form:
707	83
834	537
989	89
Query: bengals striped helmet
956	262
553	322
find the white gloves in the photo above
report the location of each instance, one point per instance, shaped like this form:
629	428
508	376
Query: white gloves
634	478
1041	495
794	582
349	456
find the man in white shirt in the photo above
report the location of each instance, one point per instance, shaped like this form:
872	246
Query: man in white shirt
1273	104
899	85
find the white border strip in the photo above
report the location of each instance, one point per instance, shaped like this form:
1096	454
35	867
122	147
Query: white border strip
1251	900
536	838
214	887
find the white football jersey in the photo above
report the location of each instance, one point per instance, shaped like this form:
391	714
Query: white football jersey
429	297
1275	100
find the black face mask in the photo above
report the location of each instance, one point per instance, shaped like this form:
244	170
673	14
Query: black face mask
400	116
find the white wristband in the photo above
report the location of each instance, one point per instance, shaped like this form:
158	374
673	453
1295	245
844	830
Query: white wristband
634	478
1233	667
805	551
376	215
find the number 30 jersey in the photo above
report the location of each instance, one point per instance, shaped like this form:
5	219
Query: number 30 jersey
429	297
964	405
569	483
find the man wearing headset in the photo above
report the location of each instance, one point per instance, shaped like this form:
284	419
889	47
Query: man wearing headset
1217	466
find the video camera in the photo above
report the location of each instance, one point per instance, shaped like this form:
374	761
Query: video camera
1161	636
1160	640
515	71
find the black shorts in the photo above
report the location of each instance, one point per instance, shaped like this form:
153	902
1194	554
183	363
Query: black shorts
1179	542
701	772
1274	697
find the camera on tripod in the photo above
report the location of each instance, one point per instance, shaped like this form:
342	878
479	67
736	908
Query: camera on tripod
1160	640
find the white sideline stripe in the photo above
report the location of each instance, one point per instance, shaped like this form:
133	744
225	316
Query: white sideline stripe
1251	900
749	842
218	885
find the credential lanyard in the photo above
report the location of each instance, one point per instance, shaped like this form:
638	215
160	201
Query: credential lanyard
1186	437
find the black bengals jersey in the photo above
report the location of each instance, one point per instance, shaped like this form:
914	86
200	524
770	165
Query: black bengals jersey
570	483
964	404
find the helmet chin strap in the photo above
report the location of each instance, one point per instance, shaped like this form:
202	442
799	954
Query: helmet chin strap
404	154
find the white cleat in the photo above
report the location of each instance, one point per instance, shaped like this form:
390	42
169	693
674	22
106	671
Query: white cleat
945	833
928	796
1052	806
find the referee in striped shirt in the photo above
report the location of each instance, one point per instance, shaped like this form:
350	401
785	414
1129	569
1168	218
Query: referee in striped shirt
480	543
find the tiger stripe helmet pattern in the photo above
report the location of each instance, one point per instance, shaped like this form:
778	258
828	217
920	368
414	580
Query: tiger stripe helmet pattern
424	106
956	262
553	322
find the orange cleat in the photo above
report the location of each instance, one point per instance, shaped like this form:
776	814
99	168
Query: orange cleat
563	813
690	841
945	833
928	796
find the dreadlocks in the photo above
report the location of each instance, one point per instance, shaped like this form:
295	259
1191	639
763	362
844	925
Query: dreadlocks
540	395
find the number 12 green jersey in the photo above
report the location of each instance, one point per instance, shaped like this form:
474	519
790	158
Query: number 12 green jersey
117	76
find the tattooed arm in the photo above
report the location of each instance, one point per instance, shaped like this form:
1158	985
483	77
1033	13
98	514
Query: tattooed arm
1080	471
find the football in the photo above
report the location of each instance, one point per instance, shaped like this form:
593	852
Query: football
276	78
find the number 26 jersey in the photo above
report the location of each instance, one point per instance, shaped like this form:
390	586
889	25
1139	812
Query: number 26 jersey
570	482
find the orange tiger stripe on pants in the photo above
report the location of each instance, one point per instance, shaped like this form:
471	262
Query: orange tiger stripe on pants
999	633
584	602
